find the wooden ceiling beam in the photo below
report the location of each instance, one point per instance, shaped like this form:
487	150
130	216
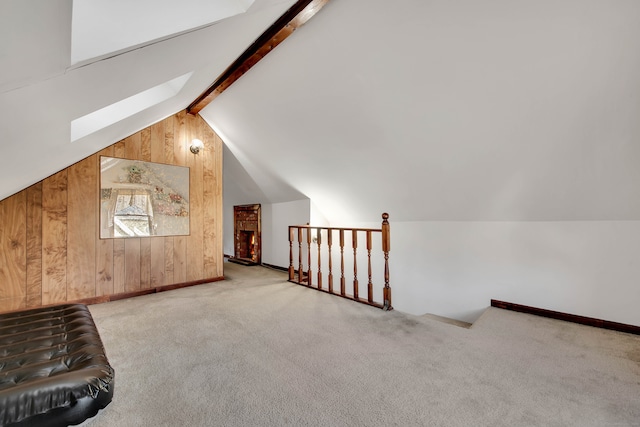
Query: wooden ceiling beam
283	27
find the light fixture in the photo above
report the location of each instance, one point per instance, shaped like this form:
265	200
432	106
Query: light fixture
196	146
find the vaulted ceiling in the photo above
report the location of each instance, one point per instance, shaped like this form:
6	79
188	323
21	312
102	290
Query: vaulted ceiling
432	110
156	59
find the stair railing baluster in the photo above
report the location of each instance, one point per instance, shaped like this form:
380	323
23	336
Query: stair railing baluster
299	255
370	283
354	244
309	278
291	269
342	281
319	242
329	242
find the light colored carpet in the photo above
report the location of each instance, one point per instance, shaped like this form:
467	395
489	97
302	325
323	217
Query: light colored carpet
255	350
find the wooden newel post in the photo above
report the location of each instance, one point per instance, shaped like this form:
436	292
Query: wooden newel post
386	247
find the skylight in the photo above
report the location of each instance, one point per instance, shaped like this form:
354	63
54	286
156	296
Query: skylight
113	113
106	27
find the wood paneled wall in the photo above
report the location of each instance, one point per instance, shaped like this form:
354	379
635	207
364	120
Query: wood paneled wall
50	250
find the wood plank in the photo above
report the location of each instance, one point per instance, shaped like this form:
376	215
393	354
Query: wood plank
157	147
54	238
195	241
168	260
283	27
156	142
137	148
210	248
168	139
104	267
13	249
179	158
133	145
104	247
218	206
119	274
179	259
145	263
180	136
145	144
82	213
132	264
143	139
119	149
157	271
34	245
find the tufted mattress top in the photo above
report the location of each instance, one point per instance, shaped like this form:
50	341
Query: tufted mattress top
50	358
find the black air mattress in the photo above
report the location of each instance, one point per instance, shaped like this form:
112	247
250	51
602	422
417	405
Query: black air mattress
53	368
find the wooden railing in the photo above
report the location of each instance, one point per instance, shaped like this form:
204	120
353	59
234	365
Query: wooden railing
306	239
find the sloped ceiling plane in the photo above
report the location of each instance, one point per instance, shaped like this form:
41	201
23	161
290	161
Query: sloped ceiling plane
436	110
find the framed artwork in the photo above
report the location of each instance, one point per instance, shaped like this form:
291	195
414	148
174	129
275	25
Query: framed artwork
139	199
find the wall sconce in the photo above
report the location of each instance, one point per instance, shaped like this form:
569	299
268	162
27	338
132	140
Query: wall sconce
196	146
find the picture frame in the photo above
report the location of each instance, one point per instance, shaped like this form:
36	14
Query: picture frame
143	199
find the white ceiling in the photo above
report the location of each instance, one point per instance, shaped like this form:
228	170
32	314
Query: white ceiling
440	110
102	28
431	110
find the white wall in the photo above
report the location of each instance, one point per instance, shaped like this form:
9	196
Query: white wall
317	217
227	229
454	269
276	219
